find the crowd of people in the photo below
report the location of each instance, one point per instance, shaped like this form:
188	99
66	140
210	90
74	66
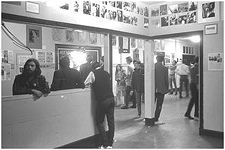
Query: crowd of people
129	84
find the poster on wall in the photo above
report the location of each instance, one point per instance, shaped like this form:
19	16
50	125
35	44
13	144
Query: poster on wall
193	5
6	71
87	7
57	34
69	36
93	38
49	57
136	54
155	12
21	60
34	36
7	56
215	61
40	56
146	22
208	12
76	6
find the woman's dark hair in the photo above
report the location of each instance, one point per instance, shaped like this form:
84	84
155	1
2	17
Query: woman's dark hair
129	59
37	70
117	69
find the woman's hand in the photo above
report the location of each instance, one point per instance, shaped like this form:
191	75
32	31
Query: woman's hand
37	93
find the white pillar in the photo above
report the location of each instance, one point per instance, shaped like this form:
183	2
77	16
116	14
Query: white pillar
149	82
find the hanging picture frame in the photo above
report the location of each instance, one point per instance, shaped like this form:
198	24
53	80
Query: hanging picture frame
208	11
34	37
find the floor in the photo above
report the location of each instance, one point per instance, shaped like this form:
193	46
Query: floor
172	131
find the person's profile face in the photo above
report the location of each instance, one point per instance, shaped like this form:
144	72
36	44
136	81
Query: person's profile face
31	66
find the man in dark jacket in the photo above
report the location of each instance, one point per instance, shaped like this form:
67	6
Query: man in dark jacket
102	88
86	68
161	84
137	84
66	77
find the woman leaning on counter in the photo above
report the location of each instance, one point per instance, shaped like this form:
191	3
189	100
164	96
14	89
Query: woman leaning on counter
31	81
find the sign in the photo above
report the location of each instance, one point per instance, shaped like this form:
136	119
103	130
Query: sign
211	29
124	45
215	61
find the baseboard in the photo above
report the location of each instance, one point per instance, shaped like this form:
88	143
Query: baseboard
211	133
149	121
89	142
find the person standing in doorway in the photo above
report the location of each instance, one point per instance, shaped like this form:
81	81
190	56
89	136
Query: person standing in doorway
161	85
194	90
137	85
86	68
172	78
183	71
129	74
102	87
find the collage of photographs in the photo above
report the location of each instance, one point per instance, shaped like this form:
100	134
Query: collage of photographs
174	14
121	11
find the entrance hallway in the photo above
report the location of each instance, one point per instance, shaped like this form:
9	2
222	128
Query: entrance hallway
173	131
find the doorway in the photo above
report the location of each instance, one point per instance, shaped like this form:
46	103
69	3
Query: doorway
180	47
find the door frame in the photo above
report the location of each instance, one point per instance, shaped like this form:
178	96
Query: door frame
200	33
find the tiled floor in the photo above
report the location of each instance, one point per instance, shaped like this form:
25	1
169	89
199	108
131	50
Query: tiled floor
174	131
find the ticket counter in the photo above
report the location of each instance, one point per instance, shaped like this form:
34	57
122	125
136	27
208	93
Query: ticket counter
58	119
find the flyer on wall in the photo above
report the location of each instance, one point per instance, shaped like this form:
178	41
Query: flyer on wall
215	61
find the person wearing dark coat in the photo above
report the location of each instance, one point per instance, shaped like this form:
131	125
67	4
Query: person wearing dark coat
137	84
102	87
86	68
31	81
161	85
66	77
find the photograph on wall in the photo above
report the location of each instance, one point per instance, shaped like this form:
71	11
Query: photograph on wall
34	36
193	5
95	10
126	6
163	9
76	6
146	22
172	9
50	57
93	38
140	43
103	11
87	7
146	12
133	20
5	56
105	2
183	49
192	17
164	21
208	11
40	56
174	19
136	54
6	71
183	7
120	15
69	36
215	61
133	7
82	37
64	6
182	19
112	3
155	12
126	18
57	34
119	4
113	40
155	22
141	11
133	42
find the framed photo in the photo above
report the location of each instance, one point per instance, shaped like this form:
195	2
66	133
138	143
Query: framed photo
211	29
33	7
208	11
34	36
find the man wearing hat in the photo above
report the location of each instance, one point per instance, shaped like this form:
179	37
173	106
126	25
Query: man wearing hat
161	84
